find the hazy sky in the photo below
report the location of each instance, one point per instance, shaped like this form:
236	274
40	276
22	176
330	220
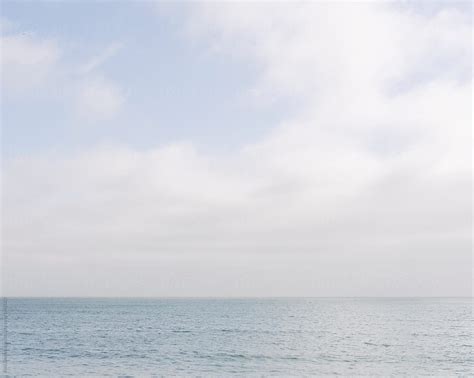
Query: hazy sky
226	149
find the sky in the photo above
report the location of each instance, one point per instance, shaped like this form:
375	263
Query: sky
236	149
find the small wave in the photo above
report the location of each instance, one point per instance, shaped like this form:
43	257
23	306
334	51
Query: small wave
233	355
227	330
373	344
291	358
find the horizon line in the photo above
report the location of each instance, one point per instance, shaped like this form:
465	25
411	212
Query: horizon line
237	297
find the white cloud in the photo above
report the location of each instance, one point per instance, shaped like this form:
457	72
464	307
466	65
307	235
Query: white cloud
322	50
99	99
26	62
366	191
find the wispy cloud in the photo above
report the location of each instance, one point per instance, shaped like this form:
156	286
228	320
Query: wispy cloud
96	61
33	65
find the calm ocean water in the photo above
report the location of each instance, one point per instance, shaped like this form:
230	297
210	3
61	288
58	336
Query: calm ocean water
222	337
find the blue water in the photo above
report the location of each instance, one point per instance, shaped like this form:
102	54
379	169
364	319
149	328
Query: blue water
245	337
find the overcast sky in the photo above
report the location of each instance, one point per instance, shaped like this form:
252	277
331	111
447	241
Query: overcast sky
226	149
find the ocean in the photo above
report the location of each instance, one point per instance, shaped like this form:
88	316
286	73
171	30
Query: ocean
240	337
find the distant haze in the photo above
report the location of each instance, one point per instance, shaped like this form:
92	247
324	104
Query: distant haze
236	149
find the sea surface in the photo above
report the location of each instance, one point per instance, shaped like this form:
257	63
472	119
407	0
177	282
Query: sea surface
241	337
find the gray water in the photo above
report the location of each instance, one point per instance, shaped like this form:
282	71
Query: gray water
222	337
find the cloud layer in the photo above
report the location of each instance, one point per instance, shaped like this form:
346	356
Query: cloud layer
366	190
